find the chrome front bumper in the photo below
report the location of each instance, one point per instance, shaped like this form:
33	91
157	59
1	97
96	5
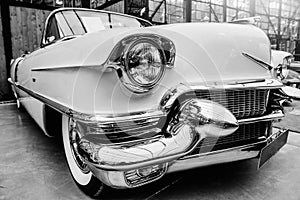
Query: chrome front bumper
120	179
119	165
138	162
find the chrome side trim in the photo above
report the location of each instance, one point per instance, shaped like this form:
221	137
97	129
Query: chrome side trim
167	100
92	118
47	100
61	67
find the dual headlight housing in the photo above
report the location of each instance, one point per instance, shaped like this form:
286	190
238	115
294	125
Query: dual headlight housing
141	60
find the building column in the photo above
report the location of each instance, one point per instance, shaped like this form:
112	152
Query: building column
224	10
278	38
252	8
6	50
188	10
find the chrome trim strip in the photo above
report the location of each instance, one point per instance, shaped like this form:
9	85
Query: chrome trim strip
217	157
61	67
171	95
258	61
266	84
54	104
167	100
93	118
278	114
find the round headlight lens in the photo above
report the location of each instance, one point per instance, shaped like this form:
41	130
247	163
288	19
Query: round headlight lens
144	63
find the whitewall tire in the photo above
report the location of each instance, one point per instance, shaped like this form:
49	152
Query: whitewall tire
81	174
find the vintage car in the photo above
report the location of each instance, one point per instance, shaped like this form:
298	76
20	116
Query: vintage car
133	102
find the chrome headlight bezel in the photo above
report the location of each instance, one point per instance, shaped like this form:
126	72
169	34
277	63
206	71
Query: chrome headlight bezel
281	71
118	59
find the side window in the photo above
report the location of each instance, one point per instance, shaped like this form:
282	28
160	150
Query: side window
73	22
52	31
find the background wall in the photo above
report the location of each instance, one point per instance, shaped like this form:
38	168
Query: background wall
4	91
27	25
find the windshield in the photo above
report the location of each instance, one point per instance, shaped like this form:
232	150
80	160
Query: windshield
78	22
73	22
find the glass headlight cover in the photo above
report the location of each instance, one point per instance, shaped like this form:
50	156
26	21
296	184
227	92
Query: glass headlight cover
144	63
140	60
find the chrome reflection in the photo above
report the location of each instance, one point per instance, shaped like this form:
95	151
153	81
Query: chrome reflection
196	119
208	118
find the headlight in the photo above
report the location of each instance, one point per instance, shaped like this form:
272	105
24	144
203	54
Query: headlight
144	63
281	71
285	64
141	60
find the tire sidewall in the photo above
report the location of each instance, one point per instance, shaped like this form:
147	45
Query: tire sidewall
87	182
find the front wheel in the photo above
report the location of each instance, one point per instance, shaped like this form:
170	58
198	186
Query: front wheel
80	172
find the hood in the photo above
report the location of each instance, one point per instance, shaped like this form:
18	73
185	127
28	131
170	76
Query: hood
210	48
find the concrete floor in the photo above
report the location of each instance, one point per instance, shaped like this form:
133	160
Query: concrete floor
32	166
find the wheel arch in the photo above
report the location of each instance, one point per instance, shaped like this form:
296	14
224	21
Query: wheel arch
52	121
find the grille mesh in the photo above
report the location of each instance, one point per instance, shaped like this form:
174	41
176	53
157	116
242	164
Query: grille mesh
244	134
242	103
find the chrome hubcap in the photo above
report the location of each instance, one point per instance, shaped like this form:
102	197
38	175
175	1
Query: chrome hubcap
74	137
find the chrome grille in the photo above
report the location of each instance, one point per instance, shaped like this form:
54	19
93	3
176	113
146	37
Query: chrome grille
244	135
241	102
118	132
